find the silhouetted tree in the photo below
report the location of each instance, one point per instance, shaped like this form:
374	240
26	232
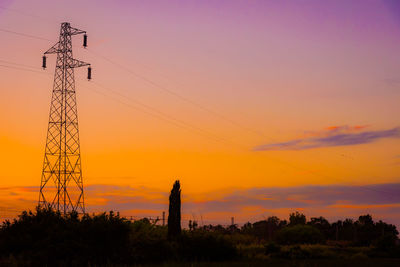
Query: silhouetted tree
365	220
347	230
299	234
192	225
174	215
365	229
266	229
386	236
323	226
247	228
259	229
272	226
296	218
283	223
47	238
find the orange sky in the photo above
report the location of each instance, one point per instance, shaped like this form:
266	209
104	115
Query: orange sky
210	94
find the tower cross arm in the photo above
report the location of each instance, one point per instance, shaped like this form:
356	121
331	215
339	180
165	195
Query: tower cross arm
54	49
77	63
76	31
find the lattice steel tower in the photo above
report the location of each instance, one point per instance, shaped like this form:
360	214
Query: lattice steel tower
61	185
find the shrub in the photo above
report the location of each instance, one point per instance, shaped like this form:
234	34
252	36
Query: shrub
148	243
272	248
319	251
359	256
296	218
299	234
48	238
306	252
385	242
292	252
201	245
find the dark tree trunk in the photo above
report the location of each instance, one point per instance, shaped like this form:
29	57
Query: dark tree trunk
174	216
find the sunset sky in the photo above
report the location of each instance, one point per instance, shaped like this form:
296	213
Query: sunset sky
259	108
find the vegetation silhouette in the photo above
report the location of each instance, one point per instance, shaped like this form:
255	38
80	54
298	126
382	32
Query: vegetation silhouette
48	238
174	215
296	218
300	234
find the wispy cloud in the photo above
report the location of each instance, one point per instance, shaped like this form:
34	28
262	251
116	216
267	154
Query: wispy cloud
332	136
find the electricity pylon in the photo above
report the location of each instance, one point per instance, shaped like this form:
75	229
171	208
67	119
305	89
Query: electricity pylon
61	185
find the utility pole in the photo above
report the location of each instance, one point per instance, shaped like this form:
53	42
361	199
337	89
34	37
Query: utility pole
163	218
61	185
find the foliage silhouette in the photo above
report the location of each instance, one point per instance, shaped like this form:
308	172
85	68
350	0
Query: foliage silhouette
299	234
47	238
174	215
296	218
323	226
200	245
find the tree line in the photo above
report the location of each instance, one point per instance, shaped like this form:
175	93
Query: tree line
46	237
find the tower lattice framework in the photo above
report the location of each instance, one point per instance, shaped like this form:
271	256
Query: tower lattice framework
61	183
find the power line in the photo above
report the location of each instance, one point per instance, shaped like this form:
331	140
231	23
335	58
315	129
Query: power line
171	92
177	95
156	85
150	82
28	14
162	116
142	77
155	113
23	69
19	64
25	35
386	194
285	163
